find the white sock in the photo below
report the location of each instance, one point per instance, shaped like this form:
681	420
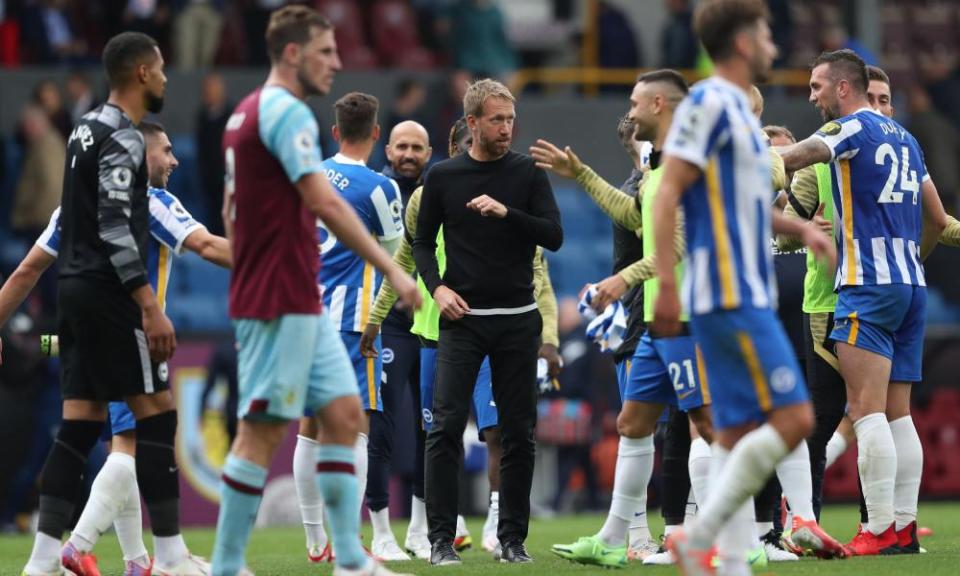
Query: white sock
764	527
691	511
462	526
45	556
108	495
168	551
906	489
129	528
835	448
493	515
308	491
796	481
361	457
633	471
380	520
639	528
742	475
418	517
737	537
699	466
877	461
669	530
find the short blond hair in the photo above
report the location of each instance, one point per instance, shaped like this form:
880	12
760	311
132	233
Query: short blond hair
478	92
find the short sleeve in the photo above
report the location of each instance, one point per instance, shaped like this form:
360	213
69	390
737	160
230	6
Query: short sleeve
170	223
387	210
699	125
289	130
841	136
49	240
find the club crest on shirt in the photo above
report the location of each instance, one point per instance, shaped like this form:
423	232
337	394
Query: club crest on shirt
783	380
387	355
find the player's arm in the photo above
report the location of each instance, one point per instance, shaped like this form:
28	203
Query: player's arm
18	286
120	158
819	243
808	152
210	247
802	203
645	268
541	225
934	217
951	234
547	304
620	207
678	176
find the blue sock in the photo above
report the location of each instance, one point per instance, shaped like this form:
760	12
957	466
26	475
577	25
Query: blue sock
241	489
337	479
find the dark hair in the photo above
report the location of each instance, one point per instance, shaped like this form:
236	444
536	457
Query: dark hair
291	25
356	115
717	22
407	85
877	73
459	128
667	76
772	131
123	53
150	128
845	65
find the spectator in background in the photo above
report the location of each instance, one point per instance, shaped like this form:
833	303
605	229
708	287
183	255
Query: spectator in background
679	47
835	37
256	14
618	42
478	39
577	385
46	96
41	178
196	30
781	28
940	141
80	95
50	35
152	17
211	121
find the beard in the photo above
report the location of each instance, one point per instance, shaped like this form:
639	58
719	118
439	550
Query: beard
154	103
828	113
408	168
309	87
642	133
494	148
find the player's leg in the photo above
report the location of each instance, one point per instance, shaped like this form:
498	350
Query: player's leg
416	541
675	485
842	439
514	342
273	367
829	397
382	432
865	320
648	390
114	496
485	410
308	493
332	390
906	370
640	543
753	376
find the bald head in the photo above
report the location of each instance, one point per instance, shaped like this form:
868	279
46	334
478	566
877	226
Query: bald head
409	149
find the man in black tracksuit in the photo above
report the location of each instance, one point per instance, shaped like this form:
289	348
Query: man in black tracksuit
496	206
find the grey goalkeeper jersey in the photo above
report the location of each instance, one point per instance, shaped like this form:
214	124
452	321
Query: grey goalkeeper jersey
105	211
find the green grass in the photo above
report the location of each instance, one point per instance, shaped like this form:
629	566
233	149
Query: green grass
280	551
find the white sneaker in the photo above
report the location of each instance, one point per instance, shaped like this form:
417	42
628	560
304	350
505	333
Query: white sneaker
190	566
418	544
642	548
660	558
388	550
373	568
775	554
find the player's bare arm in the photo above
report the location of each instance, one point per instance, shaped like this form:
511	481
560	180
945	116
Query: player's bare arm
161	339
18	286
343	222
934	218
806	153
212	248
678	176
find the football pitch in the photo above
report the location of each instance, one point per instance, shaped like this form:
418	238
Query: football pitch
280	551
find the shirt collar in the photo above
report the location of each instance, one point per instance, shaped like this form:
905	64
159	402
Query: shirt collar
341	159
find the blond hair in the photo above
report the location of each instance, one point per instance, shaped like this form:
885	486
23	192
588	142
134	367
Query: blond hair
478	92
756	101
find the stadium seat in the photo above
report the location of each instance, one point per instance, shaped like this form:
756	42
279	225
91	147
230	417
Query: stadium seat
396	38
351	40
